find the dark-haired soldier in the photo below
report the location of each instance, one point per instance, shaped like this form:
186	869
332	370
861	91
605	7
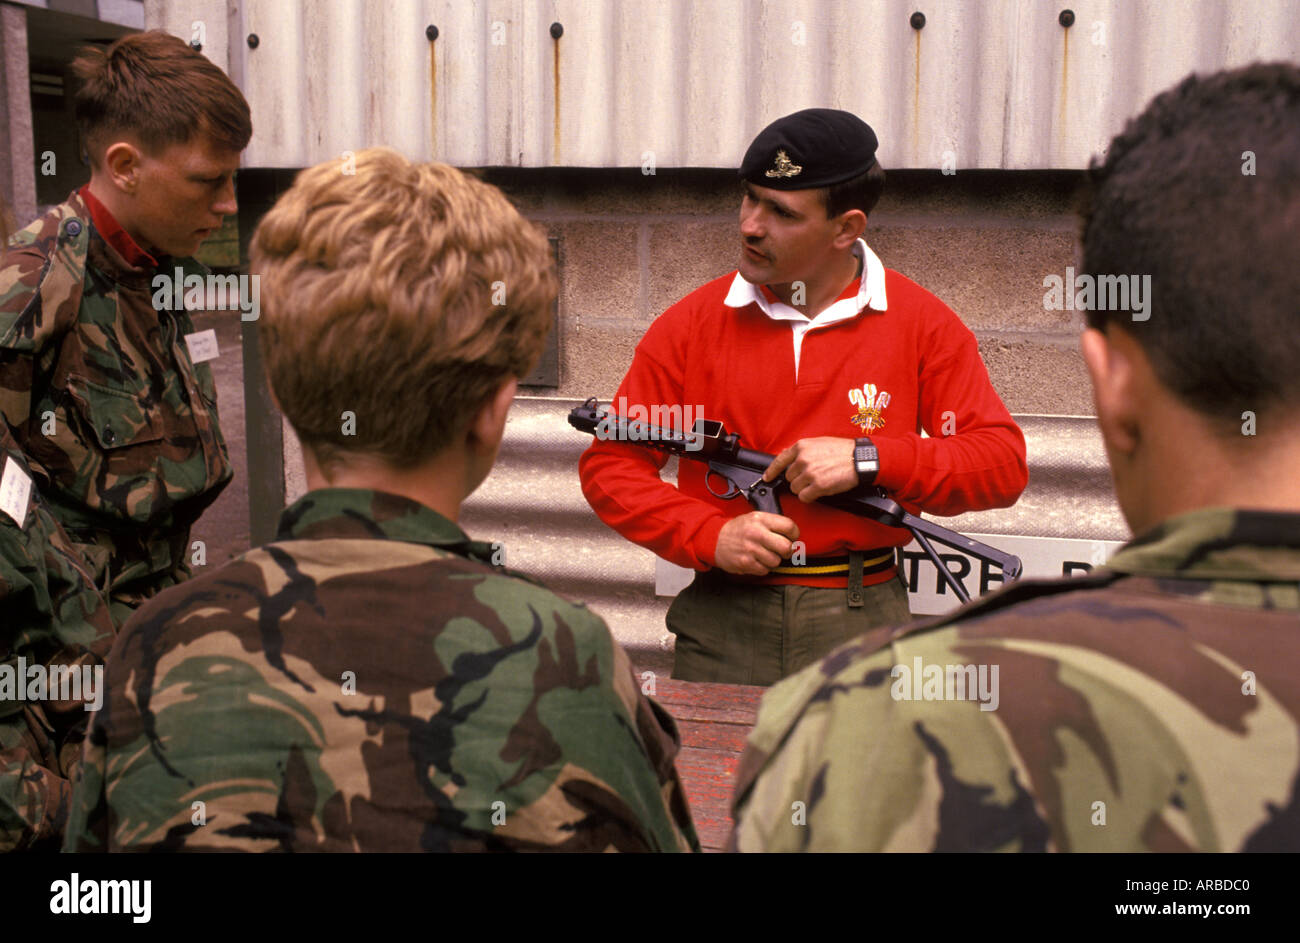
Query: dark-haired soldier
813	350
97	386
1153	705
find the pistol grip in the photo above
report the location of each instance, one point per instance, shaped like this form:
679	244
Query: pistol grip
763	497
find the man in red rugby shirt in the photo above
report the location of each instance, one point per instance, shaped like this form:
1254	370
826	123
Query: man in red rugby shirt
817	352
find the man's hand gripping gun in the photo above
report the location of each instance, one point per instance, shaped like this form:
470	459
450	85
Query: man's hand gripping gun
742	471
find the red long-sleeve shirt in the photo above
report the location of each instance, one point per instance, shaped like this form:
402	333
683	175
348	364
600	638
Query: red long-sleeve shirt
737	365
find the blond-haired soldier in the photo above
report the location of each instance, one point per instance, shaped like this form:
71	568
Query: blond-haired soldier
370	680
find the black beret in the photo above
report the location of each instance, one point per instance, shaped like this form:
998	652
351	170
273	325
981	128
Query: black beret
815	147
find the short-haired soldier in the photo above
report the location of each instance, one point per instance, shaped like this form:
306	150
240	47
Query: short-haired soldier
97	385
371	680
1153	705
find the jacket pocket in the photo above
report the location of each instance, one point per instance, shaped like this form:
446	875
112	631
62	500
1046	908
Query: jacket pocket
117	418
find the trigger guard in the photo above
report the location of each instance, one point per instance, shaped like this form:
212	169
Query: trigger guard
708	476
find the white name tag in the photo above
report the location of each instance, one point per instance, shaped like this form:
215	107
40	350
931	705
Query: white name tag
202	345
15	491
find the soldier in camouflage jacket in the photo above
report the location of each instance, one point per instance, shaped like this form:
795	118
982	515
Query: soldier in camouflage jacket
109	441
97	385
370	682
373	680
1144	707
1153	705
120	426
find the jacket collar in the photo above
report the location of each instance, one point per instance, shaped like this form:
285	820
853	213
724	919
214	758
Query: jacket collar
352	513
1217	544
117	237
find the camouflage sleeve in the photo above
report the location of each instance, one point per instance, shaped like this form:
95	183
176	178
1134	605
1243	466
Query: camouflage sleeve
522	719
33	797
775	780
836	762
834	765
87	815
661	742
53	616
842	759
26	329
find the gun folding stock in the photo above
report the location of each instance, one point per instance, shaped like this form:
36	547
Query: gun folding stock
742	471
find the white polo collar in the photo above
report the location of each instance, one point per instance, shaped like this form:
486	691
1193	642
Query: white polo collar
871	294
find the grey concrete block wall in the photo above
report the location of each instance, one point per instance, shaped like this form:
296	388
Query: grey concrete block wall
983	241
631	245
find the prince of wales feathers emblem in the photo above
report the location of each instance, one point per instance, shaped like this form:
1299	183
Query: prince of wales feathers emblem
870	406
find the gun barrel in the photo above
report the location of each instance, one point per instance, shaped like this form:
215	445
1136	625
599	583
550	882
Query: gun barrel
586	418
704	441
758	460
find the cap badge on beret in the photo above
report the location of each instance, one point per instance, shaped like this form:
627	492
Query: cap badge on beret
831	146
784	167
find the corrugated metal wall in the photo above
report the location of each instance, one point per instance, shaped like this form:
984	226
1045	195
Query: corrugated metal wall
997	83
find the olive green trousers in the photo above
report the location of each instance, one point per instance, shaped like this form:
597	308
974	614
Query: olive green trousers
737	632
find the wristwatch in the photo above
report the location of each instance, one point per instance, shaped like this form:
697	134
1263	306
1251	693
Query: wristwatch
866	461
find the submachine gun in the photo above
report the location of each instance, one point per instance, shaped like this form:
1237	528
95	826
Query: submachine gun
742	471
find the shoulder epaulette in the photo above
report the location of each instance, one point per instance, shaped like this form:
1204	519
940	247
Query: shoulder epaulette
60	239
1011	595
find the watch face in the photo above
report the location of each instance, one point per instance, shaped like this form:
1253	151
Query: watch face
866	461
